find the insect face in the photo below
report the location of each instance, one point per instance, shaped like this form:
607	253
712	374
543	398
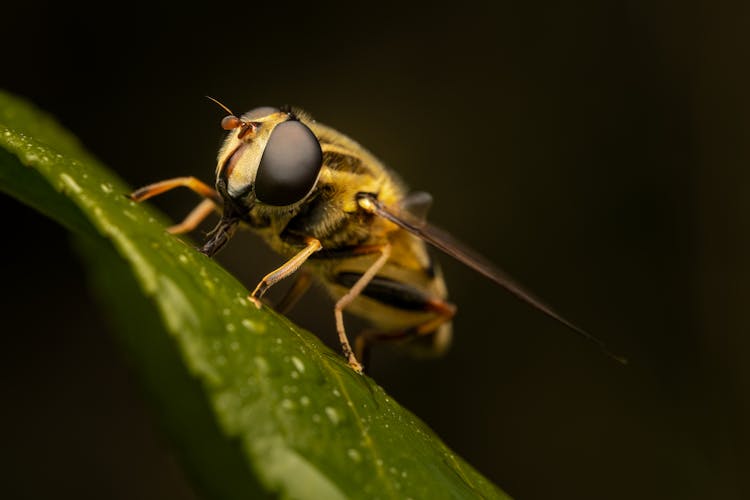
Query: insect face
269	157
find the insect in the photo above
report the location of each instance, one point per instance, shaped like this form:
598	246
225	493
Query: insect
336	212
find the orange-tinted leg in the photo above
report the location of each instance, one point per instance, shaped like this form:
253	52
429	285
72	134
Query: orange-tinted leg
191	183
288	268
444	312
212	202
195	217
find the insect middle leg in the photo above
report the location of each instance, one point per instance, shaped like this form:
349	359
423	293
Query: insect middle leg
348	297
212	202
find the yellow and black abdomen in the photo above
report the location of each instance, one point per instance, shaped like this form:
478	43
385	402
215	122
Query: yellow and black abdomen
406	301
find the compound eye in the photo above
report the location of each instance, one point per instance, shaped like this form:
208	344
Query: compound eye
289	166
257	113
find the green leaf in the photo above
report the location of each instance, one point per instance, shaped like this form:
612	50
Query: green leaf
255	405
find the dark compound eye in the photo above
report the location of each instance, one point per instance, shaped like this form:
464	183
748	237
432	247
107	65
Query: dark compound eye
256	113
289	166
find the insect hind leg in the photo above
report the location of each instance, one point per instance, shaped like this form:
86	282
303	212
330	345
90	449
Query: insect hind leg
430	333
428	339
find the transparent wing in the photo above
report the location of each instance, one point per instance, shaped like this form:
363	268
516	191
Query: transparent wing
445	242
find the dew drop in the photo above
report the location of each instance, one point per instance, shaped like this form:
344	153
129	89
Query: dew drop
298	364
262	365
254	326
230	327
354	455
287	404
183	258
333	415
304	401
107	188
70	183
289	389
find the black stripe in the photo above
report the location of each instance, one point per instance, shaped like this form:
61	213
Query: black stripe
344	163
388	291
338	253
314	216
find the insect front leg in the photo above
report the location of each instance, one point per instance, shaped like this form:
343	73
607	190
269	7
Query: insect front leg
289	267
347	298
295	292
194	218
213	201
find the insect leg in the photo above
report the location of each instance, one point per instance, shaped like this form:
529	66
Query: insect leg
191	183
300	286
195	217
348	297
444	312
289	267
212	202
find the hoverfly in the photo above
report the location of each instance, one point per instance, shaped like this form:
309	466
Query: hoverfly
330	207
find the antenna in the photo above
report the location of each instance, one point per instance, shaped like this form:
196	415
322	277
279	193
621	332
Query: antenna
230	121
222	106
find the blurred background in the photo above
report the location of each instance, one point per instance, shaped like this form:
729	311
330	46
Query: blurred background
597	151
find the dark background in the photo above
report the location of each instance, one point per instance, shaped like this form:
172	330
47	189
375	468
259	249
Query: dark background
597	151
